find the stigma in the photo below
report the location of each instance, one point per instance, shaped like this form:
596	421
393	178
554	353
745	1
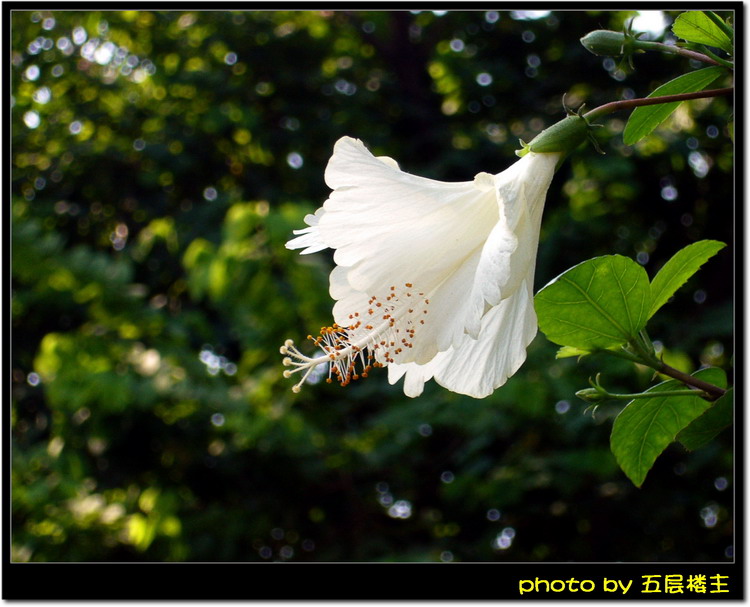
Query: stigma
381	333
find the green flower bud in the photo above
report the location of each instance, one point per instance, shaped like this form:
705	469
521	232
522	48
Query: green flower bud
591	395
563	136
607	43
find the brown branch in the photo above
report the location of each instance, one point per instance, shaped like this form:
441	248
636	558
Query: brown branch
626	104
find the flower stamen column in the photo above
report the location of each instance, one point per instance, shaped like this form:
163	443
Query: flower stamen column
376	337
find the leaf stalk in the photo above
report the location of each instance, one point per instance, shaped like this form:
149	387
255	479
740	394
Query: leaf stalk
646	45
713	391
718	60
640	351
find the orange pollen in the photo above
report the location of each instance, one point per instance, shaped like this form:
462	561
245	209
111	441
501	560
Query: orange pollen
352	351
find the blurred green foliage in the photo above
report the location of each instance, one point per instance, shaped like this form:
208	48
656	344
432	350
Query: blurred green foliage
161	161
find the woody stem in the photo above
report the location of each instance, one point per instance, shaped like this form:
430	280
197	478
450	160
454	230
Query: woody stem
626	104
676	50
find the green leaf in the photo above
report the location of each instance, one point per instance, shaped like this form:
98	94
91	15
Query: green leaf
703	429
696	26
645	427
679	269
598	303
646	118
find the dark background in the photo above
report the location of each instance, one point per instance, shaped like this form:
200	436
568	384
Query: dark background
160	161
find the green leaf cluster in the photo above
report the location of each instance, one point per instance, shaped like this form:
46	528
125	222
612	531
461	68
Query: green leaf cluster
704	28
607	301
604	304
698	28
646	426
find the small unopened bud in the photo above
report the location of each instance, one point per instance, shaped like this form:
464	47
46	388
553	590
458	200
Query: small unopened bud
607	43
591	395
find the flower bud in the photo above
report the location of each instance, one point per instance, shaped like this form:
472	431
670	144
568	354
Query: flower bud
563	136
591	395
607	43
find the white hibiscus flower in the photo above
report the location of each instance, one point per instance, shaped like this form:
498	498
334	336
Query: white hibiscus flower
433	280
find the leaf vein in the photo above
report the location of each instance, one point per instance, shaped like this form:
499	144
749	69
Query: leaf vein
598	308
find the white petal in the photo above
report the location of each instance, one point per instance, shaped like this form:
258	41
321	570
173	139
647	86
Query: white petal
386	225
389	162
390	229
478	367
339	287
414	375
512	245
522	187
493	272
309	238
